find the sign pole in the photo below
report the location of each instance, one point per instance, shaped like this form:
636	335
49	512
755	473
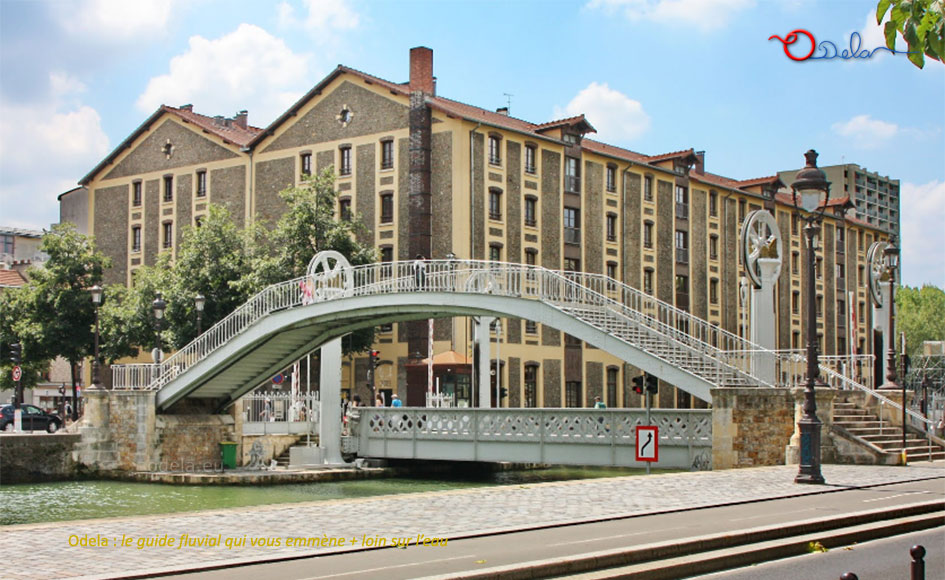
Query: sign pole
648	403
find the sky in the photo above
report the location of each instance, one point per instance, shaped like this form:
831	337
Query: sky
78	76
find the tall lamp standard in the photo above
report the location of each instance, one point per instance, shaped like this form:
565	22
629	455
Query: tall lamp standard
199	302
891	263
810	192
96	292
158	306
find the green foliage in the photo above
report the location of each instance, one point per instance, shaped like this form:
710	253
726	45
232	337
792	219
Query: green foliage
920	313
12	311
125	319
921	24
211	260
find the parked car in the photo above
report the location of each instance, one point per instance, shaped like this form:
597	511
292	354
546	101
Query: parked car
34	419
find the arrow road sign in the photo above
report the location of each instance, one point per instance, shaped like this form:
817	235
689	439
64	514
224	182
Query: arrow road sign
648	443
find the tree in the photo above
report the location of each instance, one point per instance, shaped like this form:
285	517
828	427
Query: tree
309	226
125	318
55	310
920	313
12	308
211	261
921	24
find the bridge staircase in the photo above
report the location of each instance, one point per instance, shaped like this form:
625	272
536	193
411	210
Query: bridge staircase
879	438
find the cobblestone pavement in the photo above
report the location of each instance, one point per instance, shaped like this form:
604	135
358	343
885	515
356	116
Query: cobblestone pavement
452	514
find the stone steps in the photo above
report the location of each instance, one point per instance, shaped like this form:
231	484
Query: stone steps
867	427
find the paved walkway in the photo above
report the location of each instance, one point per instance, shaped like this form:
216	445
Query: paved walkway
45	552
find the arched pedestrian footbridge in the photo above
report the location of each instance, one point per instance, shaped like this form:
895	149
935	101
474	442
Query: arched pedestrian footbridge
286	321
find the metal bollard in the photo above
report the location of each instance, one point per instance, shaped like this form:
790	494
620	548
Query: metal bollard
918	562
849	576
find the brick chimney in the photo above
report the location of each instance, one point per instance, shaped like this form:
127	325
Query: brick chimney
421	70
699	169
188	107
241	119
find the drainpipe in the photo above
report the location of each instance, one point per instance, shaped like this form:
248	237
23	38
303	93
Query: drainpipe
251	202
472	214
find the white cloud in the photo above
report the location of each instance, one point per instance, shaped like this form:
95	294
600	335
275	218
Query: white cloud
246	69
922	227
704	14
45	148
113	20
866	132
618	117
323	16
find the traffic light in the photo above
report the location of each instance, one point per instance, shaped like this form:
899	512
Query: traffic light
375	358
16	353
638	385
652	384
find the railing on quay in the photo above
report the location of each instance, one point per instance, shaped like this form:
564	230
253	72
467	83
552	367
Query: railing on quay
275	412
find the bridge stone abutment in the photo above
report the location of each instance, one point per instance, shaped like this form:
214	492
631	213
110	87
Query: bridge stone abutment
121	431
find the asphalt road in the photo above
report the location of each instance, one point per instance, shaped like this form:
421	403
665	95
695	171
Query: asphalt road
885	559
519	547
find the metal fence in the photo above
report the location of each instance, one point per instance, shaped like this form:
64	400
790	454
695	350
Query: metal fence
280	412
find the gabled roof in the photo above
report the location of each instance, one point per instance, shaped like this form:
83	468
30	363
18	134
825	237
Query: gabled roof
772	180
232	133
686	153
612	150
577	121
476	114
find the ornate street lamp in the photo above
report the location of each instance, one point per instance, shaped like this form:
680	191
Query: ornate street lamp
891	264
810	192
158	306
199	302
96	292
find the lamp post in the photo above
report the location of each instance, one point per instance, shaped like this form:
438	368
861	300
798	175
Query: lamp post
158	306
96	292
199	302
810	192
891	263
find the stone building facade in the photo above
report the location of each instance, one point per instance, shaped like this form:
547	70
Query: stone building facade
433	176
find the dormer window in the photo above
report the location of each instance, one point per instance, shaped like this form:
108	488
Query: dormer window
571	138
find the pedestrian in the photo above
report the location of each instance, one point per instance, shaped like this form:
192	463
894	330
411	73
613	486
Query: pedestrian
395	401
598	404
356	402
419	271
378	401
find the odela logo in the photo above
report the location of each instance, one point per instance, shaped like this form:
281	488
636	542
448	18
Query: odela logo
826	50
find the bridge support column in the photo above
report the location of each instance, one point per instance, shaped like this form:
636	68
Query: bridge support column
329	421
880	323
762	319
482	325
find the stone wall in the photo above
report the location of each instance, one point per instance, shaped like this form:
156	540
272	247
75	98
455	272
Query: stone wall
750	426
190	440
273	446
42	457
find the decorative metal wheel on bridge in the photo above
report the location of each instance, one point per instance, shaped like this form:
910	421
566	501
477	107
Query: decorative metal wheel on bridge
874	257
329	276
761	238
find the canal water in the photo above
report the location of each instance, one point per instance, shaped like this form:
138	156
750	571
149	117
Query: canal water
76	500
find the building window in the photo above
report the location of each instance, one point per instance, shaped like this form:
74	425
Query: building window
682	246
387	254
841	271
713	247
648	281
682	202
201	183
168	188
495	150
859	274
713	291
136	193
647	234
572	225
168	236
306	159
648	188
862	314
572	265
495	203
795	340
795	262
572	174
713	203
531	211
820	306
572	394
794	225
612	270
344	209
841	312
612	386
495	253
345	163
198	221
819	268
742	208
531	386
611	179
531	256
387	154
611	227
136	239
530	151
387	208
796	302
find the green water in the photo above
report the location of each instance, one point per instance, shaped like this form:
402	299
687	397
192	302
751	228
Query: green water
77	500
